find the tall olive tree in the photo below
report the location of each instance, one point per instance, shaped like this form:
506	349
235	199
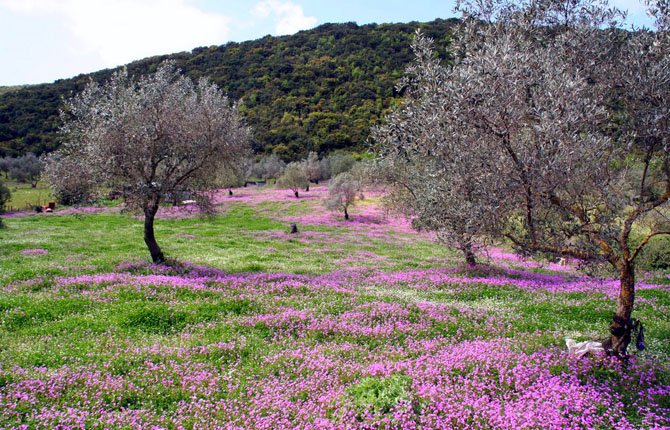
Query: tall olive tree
569	113
440	179
153	137
578	112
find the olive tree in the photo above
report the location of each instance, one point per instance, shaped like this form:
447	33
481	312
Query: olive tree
293	177
343	191
153	137
5	195
27	168
559	112
70	181
312	168
5	165
439	179
578	114
271	166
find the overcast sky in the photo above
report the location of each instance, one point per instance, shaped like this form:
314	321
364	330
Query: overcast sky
45	40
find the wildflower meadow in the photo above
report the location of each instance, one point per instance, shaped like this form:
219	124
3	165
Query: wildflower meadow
360	324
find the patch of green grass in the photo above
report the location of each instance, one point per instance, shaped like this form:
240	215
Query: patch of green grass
25	197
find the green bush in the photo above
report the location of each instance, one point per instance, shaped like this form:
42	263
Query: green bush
379	395
655	255
5	195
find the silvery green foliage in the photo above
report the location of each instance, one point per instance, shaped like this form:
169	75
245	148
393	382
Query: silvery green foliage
343	191
293	177
71	181
312	167
154	137
269	167
340	162
549	129
27	168
578	113
442	178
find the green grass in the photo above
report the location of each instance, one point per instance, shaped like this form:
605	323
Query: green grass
240	240
47	326
25	197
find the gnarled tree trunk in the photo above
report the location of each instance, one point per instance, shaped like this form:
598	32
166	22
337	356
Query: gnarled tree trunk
468	253
149	237
622	324
346	214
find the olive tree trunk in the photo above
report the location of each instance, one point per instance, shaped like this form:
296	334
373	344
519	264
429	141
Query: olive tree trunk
622	324
149	236
468	253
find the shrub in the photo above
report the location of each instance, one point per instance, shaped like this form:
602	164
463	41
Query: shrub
379	395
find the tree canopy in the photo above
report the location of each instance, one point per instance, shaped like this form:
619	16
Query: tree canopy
549	131
153	138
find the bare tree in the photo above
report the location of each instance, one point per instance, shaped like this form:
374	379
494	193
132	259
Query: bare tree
293	177
154	137
343	191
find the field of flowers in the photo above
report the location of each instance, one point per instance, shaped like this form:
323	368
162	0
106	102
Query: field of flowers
345	325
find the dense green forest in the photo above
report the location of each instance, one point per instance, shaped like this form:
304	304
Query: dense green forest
318	90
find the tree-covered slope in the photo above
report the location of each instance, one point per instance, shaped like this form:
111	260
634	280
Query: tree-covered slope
319	89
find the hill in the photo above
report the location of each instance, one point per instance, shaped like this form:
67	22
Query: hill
319	89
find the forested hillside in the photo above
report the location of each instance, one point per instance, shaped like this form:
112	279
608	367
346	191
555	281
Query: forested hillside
318	90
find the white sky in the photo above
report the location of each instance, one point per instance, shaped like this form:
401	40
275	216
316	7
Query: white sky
45	40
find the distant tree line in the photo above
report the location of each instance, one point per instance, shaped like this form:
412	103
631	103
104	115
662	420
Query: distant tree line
27	168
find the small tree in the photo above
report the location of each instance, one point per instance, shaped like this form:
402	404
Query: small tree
154	137
343	191
5	195
5	166
71	181
340	162
312	168
233	177
27	168
271	167
324	168
293	177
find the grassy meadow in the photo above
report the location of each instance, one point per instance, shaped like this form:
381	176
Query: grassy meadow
25	197
363	324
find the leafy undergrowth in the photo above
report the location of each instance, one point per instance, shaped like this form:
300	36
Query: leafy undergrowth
351	330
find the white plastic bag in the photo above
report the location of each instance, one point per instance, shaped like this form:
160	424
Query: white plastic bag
580	349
